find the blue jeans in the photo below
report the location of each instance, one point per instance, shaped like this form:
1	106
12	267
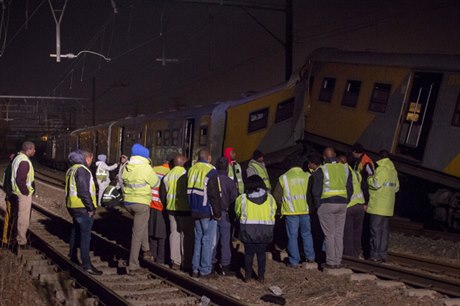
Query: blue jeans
82	226
293	223
205	233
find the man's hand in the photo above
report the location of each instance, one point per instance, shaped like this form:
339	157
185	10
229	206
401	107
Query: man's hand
91	213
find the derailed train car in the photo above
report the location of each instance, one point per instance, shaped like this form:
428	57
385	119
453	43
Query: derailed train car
408	104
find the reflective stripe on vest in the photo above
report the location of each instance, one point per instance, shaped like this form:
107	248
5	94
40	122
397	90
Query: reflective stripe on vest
72	199
170	181
161	171
262	172
358	196
101	174
14	171
333	182
238	175
198	180
259	219
295	187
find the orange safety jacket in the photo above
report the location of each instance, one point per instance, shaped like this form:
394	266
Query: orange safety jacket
161	171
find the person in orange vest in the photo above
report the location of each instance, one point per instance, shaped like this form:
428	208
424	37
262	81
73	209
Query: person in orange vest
157	224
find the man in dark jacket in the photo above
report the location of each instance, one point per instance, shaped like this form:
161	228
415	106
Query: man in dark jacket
11	212
224	226
81	204
205	205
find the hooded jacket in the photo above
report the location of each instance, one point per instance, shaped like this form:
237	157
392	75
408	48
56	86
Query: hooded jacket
383	186
82	180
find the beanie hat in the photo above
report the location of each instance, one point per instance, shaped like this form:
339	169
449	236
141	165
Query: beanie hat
140	150
102	157
257	154
357	148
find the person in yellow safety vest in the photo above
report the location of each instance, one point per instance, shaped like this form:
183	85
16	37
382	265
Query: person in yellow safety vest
255	210
256	166
81	205
11	213
294	186
355	215
103	175
157	225
22	183
173	192
383	186
138	181
234	169
332	189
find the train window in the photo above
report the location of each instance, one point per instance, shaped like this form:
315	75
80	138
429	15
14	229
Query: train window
351	93
284	110
166	137
258	120
456	117
175	137
203	136
379	98
159	138
327	90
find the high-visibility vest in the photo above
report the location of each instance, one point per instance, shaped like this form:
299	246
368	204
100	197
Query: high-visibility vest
335	177
30	175
161	171
101	174
111	197
383	186
238	176
295	185
138	177
365	159
197	186
72	200
261	171
251	213
170	181
358	196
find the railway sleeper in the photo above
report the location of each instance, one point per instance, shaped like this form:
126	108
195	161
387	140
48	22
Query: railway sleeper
71	294
37	270
173	302
30	263
82	302
47	278
154	291
115	278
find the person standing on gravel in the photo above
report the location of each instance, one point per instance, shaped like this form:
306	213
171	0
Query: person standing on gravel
332	190
22	183
383	186
138	181
81	205
103	175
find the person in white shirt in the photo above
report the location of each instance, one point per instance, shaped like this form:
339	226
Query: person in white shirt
102	175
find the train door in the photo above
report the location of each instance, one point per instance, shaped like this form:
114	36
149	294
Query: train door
121	142
188	138
418	116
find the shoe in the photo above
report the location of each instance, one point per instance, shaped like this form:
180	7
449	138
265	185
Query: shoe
294	266
226	271
148	256
195	274
247	279
208	276
139	271
93	271
338	266
261	280
310	261
75	261
175	267
328	266
375	259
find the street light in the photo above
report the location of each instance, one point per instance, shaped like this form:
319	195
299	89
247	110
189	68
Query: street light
71	55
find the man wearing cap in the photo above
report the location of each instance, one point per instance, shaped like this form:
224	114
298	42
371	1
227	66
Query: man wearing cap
256	166
138	181
102	175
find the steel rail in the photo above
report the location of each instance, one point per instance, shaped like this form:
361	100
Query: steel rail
430	265
413	278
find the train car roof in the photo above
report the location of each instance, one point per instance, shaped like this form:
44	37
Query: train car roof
92	128
421	61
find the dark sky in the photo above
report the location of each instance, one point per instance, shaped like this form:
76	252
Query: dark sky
222	51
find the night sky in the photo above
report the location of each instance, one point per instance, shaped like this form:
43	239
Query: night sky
222	51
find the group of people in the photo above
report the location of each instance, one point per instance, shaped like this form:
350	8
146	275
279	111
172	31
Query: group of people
203	207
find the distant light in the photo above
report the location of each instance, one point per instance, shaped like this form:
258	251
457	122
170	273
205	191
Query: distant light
44	138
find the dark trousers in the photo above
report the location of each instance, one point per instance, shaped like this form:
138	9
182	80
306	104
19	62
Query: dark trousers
157	248
353	231
249	250
81	228
223	237
379	227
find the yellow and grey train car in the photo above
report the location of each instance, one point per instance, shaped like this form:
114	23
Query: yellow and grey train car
408	104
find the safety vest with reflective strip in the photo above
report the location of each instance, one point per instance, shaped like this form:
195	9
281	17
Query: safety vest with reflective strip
335	177
197	186
261	171
72	200
295	188
358	196
161	171
138	180
383	186
170	181
30	175
101	174
365	159
237	177
251	213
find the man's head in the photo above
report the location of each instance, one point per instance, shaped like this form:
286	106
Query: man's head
123	159
180	160
222	164
357	150
233	154
258	156
314	161
342	158
329	153
204	155
88	156
384	154
28	148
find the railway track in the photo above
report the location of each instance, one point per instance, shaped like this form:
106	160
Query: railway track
410	277
429	265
